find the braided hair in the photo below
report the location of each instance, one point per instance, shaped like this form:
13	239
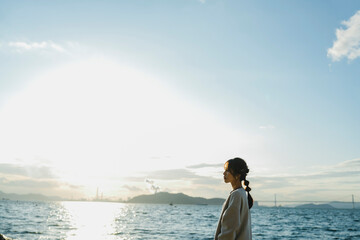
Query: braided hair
238	166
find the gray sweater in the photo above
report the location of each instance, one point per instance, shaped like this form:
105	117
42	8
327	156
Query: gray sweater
235	219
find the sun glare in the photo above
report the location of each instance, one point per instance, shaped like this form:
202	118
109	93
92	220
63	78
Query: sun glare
85	117
96	122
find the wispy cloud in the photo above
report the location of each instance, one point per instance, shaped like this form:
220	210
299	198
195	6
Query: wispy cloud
28	183
131	188
344	177
347	43
21	47
206	165
267	127
350	163
43	47
178	175
17	184
16	178
172	174
26	171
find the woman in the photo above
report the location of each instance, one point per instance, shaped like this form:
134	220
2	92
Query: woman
235	220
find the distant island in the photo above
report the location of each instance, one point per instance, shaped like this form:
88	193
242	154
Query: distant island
316	206
175	198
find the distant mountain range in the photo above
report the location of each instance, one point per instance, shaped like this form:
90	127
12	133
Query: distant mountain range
175	198
28	197
345	205
329	205
317	206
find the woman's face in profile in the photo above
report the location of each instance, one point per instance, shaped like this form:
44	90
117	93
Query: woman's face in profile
228	177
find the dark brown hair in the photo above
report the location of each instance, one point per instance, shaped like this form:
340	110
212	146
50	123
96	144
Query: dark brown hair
238	166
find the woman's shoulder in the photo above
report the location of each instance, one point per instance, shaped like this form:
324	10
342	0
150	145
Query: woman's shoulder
238	193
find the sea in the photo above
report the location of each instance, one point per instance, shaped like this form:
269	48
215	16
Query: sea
22	220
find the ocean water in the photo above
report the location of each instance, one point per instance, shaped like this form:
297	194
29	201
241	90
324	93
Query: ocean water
110	221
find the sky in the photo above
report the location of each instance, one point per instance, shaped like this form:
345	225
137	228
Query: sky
129	97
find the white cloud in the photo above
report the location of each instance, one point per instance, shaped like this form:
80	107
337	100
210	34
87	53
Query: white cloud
207	165
36	46
350	163
24	179
35	171
267	127
347	43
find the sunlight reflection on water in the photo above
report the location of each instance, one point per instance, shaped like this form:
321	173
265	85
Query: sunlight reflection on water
92	220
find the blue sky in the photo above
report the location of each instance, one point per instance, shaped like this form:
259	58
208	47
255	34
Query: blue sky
192	82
